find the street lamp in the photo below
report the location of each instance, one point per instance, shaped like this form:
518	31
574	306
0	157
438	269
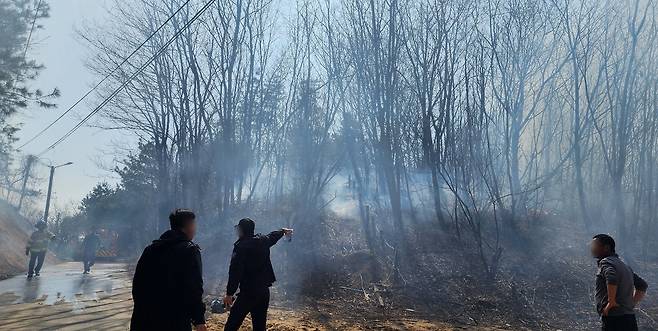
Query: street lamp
50	188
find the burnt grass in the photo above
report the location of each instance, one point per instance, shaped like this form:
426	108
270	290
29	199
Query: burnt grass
545	280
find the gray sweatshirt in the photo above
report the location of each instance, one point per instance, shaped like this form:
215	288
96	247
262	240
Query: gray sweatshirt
612	270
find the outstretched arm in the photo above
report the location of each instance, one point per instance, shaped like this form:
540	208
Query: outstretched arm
275	236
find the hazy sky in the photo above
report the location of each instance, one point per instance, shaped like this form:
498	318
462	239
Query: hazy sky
58	47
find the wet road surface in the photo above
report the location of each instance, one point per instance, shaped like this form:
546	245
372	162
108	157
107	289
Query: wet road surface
62	298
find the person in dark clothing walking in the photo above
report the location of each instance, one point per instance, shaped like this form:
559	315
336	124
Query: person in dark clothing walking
168	286
251	271
89	247
618	288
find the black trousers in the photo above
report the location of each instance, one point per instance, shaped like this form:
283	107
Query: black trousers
35	258
619	323
89	259
255	304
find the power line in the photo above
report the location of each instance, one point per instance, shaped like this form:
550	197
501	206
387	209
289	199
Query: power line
106	76
139	71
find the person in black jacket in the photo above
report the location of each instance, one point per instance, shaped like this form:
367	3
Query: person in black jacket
251	271
168	286
89	247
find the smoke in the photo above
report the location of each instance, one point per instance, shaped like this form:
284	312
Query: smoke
461	141
341	200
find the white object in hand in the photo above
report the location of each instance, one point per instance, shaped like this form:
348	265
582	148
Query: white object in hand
288	234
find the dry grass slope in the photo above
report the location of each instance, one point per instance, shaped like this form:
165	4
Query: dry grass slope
14	232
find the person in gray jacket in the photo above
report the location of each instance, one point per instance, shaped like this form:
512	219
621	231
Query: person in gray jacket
618	288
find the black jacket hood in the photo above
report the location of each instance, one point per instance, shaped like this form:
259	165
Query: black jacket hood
171	237
247	241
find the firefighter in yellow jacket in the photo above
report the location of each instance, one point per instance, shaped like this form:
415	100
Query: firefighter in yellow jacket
36	248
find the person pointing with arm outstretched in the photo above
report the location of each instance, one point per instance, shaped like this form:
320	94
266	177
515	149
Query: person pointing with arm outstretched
251	272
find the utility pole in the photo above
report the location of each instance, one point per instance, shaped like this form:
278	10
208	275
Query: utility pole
26	176
50	189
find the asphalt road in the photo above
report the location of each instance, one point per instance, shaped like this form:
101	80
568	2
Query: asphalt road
62	298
